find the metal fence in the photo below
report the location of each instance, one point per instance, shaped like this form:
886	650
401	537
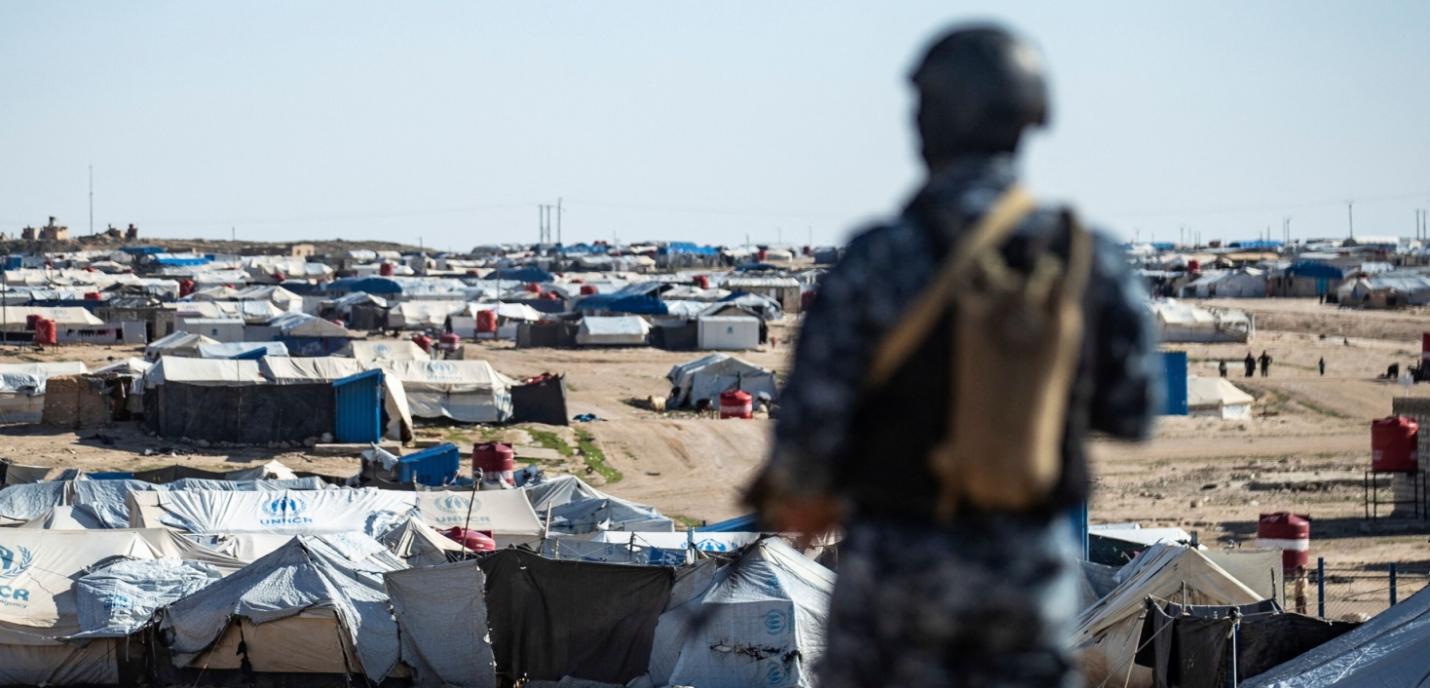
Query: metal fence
1353	592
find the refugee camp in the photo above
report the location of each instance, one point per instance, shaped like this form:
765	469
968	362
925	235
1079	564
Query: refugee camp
652	345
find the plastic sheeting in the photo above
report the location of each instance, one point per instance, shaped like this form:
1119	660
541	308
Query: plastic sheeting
338	572
577	508
442	621
235	349
762	623
120	599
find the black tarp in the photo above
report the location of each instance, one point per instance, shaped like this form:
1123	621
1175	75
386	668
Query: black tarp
682	337
554	334
551	619
543	401
1190	646
242	414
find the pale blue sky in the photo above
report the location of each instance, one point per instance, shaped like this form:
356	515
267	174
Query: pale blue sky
685	120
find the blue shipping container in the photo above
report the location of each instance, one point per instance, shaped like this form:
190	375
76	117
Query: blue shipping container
1175	372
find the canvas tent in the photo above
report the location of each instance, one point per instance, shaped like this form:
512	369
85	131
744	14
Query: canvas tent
464	391
416	543
177	344
315	605
242	350
1108	632
1187	323
573	507
1215	396
366	350
368	510
630	330
422	315
1388	650
704	378
505	513
776	600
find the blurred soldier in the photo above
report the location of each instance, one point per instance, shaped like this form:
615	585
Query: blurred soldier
946	432
1265	363
1250	365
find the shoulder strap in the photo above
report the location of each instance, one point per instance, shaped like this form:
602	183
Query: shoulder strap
913	327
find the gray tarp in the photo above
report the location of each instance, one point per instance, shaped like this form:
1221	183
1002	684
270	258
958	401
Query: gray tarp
442	620
119	599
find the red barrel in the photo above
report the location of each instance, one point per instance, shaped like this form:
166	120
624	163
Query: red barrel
762	255
487	321
186	287
1425	346
736	404
385	269
1394	445
450	341
1194	266
588	289
91	296
46	332
702	281
550	296
493	457
474	540
1288	532
532	287
423	342
279	277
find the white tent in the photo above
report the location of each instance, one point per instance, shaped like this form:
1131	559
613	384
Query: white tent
232	349
465	391
1184	322
422	315
506	513
295	512
1215	396
203	371
1108	632
14	317
1389	650
177	344
630	330
384	350
22	388
706	377
332	368
776	598
315	605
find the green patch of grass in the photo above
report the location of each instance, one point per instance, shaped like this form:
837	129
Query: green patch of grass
595	458
550	440
687	521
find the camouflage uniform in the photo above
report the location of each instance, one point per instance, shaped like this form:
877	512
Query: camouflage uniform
987	600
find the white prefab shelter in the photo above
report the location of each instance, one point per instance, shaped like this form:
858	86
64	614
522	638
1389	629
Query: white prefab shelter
776	599
1215	396
422	315
628	330
465	391
703	379
728	333
1108	632
1186	323
218	329
315	605
177	344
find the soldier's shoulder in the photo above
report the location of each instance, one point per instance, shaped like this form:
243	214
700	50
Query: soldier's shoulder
882	239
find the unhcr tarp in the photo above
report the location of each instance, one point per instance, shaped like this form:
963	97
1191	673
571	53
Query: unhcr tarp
365	350
242	349
551	619
506	513
614	331
1108	632
442	621
119	599
64	316
756	624
1389	650
368	510
300	609
704	378
464	391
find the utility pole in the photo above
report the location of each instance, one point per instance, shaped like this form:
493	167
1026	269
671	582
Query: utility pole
91	198
232	233
1351	218
559	213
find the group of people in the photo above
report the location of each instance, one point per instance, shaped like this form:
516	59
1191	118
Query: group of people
1264	361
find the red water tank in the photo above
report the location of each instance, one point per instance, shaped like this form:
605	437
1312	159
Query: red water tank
474	540
1194	266
423	342
588	289
1394	445
702	281
278	277
1425	346
450	341
487	321
46	332
550	296
385	269
532	287
493	457
762	255
186	287
91	296
1288	532
736	403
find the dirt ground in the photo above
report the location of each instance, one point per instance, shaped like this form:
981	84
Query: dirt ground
1304	450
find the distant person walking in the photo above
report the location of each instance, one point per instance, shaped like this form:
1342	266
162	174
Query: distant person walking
956	567
1322	365
1221	368
1265	363
1250	363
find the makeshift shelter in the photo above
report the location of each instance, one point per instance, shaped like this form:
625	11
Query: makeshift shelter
332	369
442	622
572	507
704	378
230	401
465	391
758	622
555	619
418	544
314	606
1218	397
541	399
509	316
1388	650
22	388
728	332
1108	632
15	317
178	343
612	331
309	335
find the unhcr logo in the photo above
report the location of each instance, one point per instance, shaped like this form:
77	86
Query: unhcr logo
13	563
455	504
285	510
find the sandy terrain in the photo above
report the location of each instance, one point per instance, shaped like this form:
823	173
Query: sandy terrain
1304	450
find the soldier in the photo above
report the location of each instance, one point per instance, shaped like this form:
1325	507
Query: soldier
1250	363
936	587
1265	363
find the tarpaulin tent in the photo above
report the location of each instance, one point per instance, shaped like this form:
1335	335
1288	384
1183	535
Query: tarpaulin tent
505	513
1184	322
253	350
442	621
418	544
757	623
368	510
1108	632
365	350
464	391
120	598
178	343
315	605
551	619
422	315
1218	397
704	378
614	331
575	508
1388	650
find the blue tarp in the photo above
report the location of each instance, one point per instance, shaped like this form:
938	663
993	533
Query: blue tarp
689	247
1257	244
142	250
1315	270
617	303
740	524
173	261
370	285
529	273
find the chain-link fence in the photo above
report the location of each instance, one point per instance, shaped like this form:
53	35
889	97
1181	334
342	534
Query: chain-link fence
1353	592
